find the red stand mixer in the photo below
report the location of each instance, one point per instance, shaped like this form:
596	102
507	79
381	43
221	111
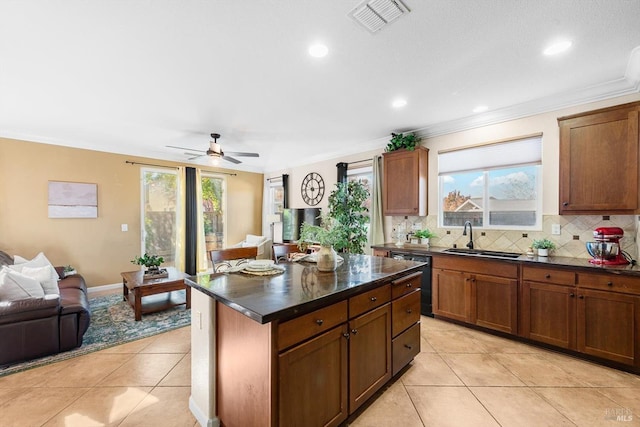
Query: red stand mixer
606	249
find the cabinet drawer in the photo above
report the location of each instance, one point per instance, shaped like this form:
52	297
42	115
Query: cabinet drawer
405	347
405	285
301	328
369	300
546	275
610	282
405	312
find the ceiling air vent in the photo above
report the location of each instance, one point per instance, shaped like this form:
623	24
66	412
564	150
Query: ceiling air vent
375	14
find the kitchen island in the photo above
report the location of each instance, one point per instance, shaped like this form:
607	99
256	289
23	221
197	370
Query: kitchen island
302	347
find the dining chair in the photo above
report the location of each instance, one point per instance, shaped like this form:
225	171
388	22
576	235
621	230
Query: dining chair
281	252
224	259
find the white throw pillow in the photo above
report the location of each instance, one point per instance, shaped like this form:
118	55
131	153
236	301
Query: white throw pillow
38	273
253	240
50	287
13	280
38	261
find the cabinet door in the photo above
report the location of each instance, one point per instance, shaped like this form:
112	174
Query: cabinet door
548	313
599	162
608	325
313	381
405	182
451	292
494	303
369	354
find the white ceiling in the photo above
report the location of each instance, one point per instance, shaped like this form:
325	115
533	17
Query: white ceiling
135	76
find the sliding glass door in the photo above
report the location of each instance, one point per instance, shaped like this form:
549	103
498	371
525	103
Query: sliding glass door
159	203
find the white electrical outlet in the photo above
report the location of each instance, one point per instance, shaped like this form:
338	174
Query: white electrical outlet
555	229
124	227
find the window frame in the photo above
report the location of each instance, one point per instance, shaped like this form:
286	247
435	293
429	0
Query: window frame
486	195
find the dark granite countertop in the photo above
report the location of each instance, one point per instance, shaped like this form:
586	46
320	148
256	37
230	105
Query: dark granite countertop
555	261
301	288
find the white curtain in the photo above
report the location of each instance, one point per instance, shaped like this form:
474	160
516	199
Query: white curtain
180	218
376	230
266	209
202	258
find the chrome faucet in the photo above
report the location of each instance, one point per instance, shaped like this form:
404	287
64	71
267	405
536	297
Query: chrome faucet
464	233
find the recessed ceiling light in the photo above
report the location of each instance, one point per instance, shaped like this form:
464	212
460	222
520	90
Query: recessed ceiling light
318	50
480	109
559	47
399	103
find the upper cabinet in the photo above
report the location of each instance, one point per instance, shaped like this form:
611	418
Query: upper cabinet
599	156
405	182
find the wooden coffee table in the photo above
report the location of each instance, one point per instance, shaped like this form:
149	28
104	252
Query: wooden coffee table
135	287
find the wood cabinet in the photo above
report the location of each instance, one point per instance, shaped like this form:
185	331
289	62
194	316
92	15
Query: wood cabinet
381	253
316	368
608	322
477	291
599	157
334	359
594	314
369	354
548	307
405	182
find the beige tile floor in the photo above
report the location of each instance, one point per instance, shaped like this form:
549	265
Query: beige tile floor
461	378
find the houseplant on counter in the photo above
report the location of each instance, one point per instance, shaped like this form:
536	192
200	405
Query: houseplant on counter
152	262
329	234
543	246
424	236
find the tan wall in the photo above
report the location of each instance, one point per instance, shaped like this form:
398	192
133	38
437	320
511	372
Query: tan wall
96	247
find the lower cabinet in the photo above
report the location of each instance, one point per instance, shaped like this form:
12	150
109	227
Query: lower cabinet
313	381
369	354
327	374
469	294
594	314
608	326
548	313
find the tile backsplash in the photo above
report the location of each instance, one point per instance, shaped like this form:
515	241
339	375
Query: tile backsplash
575	230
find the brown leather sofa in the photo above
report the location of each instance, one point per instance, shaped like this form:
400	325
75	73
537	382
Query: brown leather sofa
36	327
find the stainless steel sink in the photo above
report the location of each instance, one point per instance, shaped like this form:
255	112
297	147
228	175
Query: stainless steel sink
483	252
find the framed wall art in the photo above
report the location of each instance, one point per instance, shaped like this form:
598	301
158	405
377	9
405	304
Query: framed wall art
73	200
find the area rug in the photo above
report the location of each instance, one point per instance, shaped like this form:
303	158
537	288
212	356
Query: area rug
113	323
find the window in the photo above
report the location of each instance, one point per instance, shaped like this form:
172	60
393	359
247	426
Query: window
364	175
494	185
213	192
276	197
159	201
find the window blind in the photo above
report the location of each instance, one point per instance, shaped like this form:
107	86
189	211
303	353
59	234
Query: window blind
527	150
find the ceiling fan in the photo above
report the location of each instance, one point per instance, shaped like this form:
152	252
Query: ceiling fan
215	150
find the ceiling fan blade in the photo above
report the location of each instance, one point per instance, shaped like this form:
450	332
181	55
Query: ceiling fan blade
240	154
185	148
231	159
195	156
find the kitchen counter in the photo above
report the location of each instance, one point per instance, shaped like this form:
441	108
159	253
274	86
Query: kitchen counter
555	261
250	335
301	288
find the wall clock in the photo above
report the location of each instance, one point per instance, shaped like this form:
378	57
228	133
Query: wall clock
312	189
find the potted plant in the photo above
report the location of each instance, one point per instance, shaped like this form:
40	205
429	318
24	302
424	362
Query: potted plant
152	262
543	246
328	234
69	270
424	236
347	207
399	141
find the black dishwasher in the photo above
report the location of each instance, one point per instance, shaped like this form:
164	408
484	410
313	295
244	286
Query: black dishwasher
426	306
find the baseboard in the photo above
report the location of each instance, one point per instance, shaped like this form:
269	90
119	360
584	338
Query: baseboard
103	288
201	417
